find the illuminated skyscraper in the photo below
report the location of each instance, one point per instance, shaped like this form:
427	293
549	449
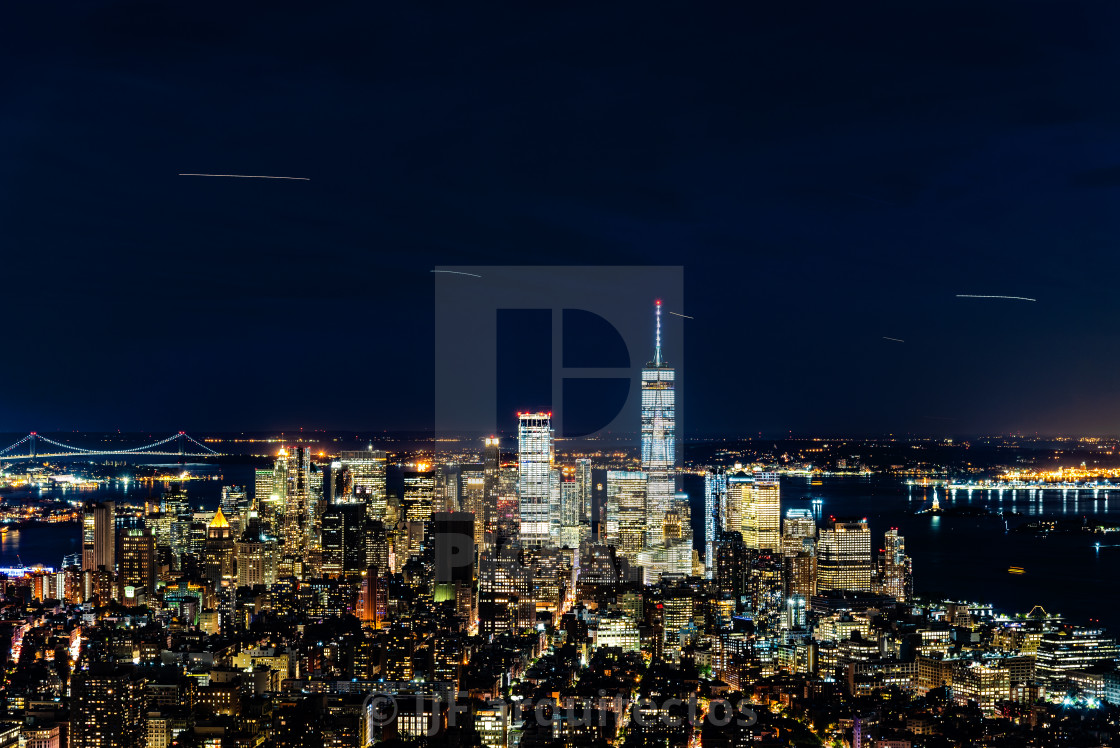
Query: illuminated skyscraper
256	560
234	502
569	508
267	499
367	471
583	489
895	576
798	526
491	467
138	565
262	487
739	487
762	514
218	557
472	497
372	603
659	441
844	557
534	483
293	465
555	521
715	496
344	542
99	536
626	515
419	493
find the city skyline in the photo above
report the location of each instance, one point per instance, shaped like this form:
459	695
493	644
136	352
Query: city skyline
559	376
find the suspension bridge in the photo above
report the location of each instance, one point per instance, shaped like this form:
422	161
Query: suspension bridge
35	446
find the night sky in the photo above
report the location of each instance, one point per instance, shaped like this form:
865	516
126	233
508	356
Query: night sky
826	173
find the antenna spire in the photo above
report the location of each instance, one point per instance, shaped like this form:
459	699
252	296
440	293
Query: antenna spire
657	339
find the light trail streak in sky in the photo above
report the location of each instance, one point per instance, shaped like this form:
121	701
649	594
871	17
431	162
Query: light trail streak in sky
980	296
897	340
244	176
457	272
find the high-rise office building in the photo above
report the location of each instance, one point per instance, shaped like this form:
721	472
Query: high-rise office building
732	568
368	478
505	594
419	493
454	562
715	496
472	497
626	511
263	485
574	527
491	466
267	500
801	572
797	526
583	488
218	557
659	442
535	457
762	514
293	466
256	560
234	501
739	487
844	557
99	536
895	570
372	602
507	511
569	497
377	540
138	565
344	544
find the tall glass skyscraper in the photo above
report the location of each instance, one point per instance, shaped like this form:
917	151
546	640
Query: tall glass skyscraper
626	516
294	464
583	483
534	478
659	436
762	513
368	469
715	495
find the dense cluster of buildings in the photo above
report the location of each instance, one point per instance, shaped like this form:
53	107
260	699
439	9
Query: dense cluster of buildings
492	600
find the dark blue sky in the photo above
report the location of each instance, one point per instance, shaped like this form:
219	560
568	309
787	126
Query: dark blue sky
826	173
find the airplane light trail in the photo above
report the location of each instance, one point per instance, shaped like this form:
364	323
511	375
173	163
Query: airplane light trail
897	340
244	176
979	296
457	272
681	315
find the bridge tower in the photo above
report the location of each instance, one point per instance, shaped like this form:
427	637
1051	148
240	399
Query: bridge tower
32	449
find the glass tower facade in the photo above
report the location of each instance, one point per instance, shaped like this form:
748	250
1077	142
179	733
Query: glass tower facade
762	515
534	478
659	436
626	516
715	494
368	469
